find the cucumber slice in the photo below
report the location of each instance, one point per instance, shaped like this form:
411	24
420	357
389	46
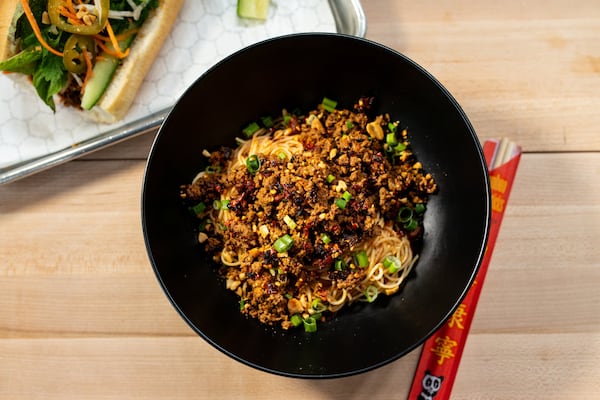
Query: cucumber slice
257	9
103	72
106	65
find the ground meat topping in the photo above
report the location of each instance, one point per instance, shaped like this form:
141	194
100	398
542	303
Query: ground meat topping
341	186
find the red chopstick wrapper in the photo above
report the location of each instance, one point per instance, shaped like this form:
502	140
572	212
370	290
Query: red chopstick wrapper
442	352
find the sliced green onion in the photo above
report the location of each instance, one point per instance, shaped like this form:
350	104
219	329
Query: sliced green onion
251	129
281	156
419	208
393	127
349	124
253	163
286	119
347	196
325	238
371	293
211	169
329	104
242	304
392	263
399	147
404	215
341	203
296	320
330	178
361	259
283	244
339	265
199	208
267	122
411	225
310	324
318	306
288	296
220	204
289	222
390	139
388	261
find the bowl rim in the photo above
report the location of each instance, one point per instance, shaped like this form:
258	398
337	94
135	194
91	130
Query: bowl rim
487	203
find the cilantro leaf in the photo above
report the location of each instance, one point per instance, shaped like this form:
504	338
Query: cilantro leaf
49	78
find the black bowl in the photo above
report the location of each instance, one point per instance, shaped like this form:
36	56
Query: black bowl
298	71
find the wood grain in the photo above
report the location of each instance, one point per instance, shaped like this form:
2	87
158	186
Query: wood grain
525	70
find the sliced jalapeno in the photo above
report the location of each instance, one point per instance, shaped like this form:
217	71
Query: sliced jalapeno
75	46
58	9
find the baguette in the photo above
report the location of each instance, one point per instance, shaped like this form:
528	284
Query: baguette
128	77
7	10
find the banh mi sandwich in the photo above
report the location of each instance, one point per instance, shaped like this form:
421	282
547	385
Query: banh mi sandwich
89	54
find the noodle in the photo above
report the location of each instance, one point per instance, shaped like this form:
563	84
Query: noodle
312	214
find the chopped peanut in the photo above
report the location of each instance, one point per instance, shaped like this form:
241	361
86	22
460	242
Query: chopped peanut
294	306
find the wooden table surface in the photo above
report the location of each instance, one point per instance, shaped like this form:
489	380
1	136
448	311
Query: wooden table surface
83	317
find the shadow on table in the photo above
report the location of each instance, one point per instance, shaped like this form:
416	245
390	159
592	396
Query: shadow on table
394	378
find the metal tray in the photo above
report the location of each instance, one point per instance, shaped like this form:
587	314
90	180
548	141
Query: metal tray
349	19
